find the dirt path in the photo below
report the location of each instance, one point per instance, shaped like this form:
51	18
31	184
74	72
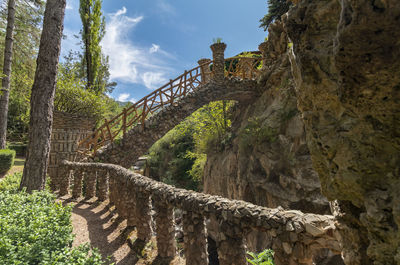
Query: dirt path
95	223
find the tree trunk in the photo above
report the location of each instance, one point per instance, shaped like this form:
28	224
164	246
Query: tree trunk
42	97
5	91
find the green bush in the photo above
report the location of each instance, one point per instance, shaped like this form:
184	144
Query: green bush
11	182
263	258
6	160
19	148
37	230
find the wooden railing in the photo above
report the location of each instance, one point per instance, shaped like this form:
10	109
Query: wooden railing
240	67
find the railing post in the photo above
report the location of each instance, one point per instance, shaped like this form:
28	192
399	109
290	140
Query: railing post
165	228
195	238
90	183
218	50
231	248
120	198
124	123
112	188
64	180
205	70
102	176
78	177
131	206
143	215
144	113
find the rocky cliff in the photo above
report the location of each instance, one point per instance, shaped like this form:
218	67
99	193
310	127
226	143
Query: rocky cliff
347	71
268	162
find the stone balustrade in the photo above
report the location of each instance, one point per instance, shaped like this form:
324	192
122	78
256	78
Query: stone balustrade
294	235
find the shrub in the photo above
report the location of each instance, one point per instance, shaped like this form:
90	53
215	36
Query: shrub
263	258
11	182
37	230
6	160
19	148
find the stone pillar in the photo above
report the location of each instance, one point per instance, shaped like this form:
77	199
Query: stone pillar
90	184
143	215
78	177
121	203
205	70
195	239
219	61
102	177
263	48
131	205
112	189
231	247
64	180
165	228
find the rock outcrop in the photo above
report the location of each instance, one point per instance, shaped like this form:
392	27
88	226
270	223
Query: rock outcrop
347	71
268	162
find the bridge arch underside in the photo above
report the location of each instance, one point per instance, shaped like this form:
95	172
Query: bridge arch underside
138	140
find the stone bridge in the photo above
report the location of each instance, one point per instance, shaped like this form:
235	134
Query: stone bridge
130	134
294	236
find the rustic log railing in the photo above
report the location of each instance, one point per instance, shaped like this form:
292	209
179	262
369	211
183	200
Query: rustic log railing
294	235
170	93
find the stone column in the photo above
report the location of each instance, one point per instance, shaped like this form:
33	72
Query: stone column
165	228
90	183
78	177
102	177
112	189
195	239
131	205
121	203
231	247
205	70
64	180
219	61
143	215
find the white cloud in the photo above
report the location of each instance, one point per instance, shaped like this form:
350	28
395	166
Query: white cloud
154	48
153	79
129	62
165	7
69	6
133	100
123	97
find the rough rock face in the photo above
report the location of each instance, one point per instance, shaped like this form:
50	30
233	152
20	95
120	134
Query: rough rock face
347	72
268	162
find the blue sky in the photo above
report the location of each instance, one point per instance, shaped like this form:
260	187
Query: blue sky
151	41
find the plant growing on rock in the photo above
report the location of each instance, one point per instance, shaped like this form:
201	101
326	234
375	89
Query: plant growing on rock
263	258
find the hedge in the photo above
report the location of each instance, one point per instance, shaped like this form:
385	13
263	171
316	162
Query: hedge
19	148
6	160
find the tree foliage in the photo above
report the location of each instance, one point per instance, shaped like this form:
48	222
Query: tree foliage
276	8
94	62
28	19
179	157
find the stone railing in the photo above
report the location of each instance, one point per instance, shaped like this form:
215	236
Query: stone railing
294	235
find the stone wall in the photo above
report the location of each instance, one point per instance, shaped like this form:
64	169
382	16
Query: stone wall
67	131
295	236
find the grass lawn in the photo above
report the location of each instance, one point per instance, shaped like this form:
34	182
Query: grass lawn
18	165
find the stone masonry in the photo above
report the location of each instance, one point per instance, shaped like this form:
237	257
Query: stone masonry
295	235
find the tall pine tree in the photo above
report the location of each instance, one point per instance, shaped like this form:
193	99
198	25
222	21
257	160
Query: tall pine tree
93	31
